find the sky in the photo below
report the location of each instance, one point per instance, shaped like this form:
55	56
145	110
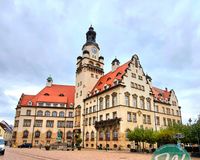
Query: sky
42	38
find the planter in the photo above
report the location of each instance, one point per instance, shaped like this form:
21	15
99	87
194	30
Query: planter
47	148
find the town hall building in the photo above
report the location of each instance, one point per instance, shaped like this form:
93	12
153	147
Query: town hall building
101	108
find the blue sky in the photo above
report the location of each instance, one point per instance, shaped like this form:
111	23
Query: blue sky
39	38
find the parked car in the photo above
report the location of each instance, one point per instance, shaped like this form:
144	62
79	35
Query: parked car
25	145
2	146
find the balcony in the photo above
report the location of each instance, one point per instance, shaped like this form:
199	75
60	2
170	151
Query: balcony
107	123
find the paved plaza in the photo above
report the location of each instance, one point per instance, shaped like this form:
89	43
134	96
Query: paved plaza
41	154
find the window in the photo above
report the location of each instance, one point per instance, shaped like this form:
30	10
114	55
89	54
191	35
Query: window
38	123
93	121
101	135
127	99
69	135
55	104
133	75
163	108
48	104
107	116
140	77
49	123
16	124
157	120
174	121
90	119
177	112
164	122
14	135
107	135
94	108
148	104
27	123
48	134
69	124
114	115
80	93
92	75
70	114
37	134
61	114
115	135
148	119
169	121
144	119
142	103
61	124
39	113
135	101
54	114
168	111
134	117
28	112
172	112
101	117
100	103
156	108
90	111
87	136
25	134
129	116
92	136
107	103
47	114
40	104
114	99
86	111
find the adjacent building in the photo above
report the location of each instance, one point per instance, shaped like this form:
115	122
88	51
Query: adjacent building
6	132
104	107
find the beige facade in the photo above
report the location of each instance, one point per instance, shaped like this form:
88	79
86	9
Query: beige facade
105	107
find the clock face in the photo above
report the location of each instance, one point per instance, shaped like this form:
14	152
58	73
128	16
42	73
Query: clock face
94	50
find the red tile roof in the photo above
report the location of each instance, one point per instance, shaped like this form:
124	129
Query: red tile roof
109	78
161	95
55	93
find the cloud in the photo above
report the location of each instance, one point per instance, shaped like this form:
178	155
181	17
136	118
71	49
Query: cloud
38	38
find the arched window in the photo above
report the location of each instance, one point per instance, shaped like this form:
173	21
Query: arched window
148	104
114	99
135	100
87	136
25	134
47	114
69	135
127	99
101	135
100	103
54	114
49	134
142	103
92	136
39	113
107	135
37	134
107	101
115	135
61	114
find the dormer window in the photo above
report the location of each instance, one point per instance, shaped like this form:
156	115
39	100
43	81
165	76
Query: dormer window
116	82
99	83
106	86
71	105
61	95
160	94
119	73
108	78
29	103
46	94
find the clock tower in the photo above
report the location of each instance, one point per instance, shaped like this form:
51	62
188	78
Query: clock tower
89	68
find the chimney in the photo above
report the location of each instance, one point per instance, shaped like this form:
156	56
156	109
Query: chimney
115	64
166	89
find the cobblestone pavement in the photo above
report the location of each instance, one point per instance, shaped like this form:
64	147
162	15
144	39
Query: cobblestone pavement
41	154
